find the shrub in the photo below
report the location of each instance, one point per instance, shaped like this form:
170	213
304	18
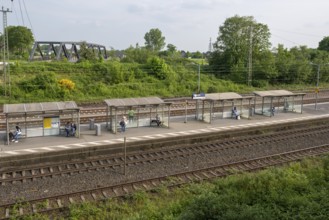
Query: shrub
66	84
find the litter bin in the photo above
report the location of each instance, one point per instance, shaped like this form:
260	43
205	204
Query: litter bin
91	124
98	129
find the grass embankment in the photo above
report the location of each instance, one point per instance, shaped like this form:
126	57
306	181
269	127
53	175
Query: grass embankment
81	82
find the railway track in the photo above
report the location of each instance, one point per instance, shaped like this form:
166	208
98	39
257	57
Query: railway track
57	203
15	176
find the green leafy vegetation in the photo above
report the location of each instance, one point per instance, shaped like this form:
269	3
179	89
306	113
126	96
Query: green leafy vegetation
83	81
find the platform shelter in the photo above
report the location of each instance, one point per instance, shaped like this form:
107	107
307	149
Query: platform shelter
272	102
140	112
220	105
41	119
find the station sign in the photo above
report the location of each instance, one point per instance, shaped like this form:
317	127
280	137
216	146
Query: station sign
198	96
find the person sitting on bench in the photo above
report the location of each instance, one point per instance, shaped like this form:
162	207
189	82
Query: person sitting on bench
235	113
17	134
157	120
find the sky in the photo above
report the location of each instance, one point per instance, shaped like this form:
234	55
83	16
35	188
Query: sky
187	24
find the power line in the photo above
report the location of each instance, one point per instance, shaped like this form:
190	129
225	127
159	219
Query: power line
20	8
292	32
286	40
14	9
28	17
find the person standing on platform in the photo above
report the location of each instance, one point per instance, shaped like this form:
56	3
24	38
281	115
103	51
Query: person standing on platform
73	128
123	123
67	129
131	114
235	113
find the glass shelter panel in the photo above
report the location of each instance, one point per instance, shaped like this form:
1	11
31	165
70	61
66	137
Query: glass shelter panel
217	110
165	118
267	106
228	108
207	111
258	106
246	110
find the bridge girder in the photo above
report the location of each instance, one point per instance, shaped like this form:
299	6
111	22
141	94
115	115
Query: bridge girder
70	50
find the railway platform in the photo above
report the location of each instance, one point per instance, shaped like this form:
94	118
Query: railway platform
45	147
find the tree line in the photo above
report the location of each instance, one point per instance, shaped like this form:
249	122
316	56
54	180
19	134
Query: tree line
242	55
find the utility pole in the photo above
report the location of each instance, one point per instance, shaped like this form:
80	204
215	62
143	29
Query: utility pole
317	82
250	59
210	46
6	73
317	86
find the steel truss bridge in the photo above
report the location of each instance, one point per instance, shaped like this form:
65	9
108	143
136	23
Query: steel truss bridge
55	50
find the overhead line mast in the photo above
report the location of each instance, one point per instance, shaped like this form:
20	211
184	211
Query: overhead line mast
6	72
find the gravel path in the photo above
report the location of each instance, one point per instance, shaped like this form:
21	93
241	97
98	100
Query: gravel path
87	180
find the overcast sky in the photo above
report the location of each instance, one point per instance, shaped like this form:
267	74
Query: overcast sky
187	24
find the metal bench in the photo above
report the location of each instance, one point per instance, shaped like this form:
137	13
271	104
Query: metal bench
156	121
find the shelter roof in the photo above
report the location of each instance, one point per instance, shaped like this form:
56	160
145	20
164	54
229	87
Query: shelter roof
224	96
276	93
39	107
134	101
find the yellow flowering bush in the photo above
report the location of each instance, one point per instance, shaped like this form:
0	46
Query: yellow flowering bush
67	84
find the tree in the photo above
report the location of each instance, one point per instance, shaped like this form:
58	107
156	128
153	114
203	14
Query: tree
171	48
236	37
136	54
154	40
324	44
20	39
86	53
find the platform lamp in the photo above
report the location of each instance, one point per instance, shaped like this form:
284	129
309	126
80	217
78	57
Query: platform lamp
317	82
197	104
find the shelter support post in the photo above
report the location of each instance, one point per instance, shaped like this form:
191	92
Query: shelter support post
301	109
25	124
7	125
107	116
115	121
150	115
211	109
271	107
79	124
202	110
137	116
168	116
249	107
